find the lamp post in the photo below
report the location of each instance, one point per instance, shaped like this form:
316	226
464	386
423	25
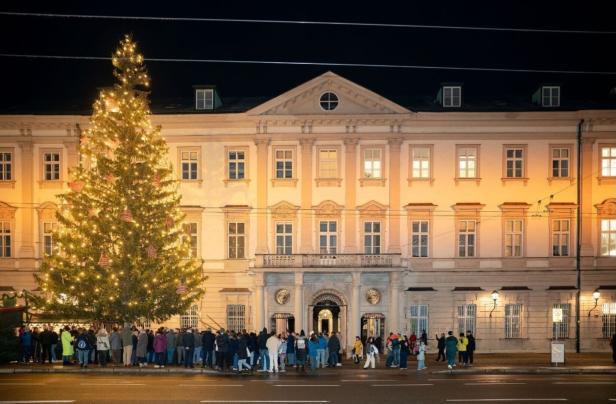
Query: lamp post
494	296
595	295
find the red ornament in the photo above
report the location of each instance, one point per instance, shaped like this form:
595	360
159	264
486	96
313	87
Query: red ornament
104	261
126	215
77	186
181	289
92	212
111	178
151	252
156	180
169	222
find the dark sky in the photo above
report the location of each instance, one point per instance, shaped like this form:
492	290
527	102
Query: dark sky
70	82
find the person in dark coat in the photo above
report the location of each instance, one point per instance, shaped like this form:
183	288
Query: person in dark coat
188	341
291	349
242	353
54	345
451	347
252	347
441	347
301	347
613	345
470	348
334	347
263	353
231	354
207	340
45	339
150	355
405	351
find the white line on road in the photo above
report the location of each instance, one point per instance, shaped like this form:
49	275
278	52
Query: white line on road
112	384
265	401
306	385
37	401
22	384
489	383
584	383
210	385
463	400
367	380
403	385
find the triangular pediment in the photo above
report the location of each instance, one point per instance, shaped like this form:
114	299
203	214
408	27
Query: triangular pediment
353	99
372	208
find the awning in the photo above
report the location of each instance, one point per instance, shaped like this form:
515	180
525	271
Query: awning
466	289
607	287
422	289
505	288
562	288
373	315
234	290
284	316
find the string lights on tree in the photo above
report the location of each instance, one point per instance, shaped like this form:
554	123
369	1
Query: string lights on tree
121	251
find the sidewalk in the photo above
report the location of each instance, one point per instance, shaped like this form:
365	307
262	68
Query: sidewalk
519	363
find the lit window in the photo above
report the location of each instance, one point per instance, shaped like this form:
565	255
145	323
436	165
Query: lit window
6	166
550	96
467	232
5	239
51	166
608	237
514	233
190	319
328	163
514	162
284	163
190	164
236	314
418	317
608	161
328	237
561	329
467	318
372	238
467	162
560	237
608	320
284	238
237	165
191	231
372	163
452	96
419	237
560	162
420	160
329	101
237	236
204	99
48	244
513	320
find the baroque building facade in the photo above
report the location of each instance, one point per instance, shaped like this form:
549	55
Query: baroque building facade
332	208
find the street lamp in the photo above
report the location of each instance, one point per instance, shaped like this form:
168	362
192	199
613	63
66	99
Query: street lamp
595	295
494	296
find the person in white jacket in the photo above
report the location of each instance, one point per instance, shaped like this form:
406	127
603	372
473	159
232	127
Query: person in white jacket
371	352
273	345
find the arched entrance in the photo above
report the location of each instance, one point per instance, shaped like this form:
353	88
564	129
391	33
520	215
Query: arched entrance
373	325
282	322
328	312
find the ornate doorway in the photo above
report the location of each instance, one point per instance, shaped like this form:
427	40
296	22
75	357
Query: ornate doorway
328	312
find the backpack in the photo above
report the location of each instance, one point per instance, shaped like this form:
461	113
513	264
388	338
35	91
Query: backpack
82	343
301	343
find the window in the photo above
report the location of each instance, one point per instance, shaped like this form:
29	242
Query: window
191	231
328	163
561	329
467	232
328	237
6	166
237	236
5	239
513	320
284	163
190	164
372	238
48	229
608	320
550	96
237	164
51	166
608	237
514	162
560	162
236	317
514	232
204	98
328	101
452	96
560	237
284	238
467	162
419	318
467	315
420	162
419	238
608	161
372	163
190	319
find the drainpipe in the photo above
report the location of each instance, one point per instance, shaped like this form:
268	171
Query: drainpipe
578	232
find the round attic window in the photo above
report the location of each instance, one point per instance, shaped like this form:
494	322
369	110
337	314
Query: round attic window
328	101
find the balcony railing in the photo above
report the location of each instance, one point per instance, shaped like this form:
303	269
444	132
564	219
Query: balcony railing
327	260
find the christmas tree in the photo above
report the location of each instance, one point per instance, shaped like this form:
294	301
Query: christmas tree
121	253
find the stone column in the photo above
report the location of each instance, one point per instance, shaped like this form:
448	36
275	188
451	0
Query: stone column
72	154
26	249
355	320
394	195
586	197
259	302
298	295
306	195
262	154
392	322
350	182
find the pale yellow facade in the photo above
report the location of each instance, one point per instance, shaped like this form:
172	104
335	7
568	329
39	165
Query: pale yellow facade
372	168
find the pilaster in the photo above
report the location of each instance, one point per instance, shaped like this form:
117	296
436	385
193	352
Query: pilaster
394	195
587	248
350	162
262	155
306	195
26	249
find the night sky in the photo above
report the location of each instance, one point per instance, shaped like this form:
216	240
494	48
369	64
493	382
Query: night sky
70	83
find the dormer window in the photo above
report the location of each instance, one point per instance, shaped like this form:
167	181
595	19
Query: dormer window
452	96
204	99
550	96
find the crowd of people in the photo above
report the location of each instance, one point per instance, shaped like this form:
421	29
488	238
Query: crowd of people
229	350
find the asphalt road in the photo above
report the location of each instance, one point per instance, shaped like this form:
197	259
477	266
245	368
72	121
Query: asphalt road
335	387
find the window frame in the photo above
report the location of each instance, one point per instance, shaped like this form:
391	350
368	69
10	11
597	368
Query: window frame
570	159
328	234
234	318
287	247
608	178
466	317
430	177
468	233
550	96
459	148
336	103
291	181
608	320
194	237
372	235
236	149
205	91
451	104
198	161
419	318
611	220
4	164
321	148
509	320
420	233
236	236
190	318
522	234
564	325
372	181
60	163
523	159
6	231
561	233
48	235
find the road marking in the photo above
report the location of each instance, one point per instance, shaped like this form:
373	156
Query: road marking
462	400
402	385
210	385
584	383
112	384
22	384
265	401
306	385
489	383
367	380
37	401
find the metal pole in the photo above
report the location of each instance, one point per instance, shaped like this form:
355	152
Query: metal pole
578	232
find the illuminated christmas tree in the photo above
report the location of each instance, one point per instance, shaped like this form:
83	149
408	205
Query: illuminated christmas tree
121	252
